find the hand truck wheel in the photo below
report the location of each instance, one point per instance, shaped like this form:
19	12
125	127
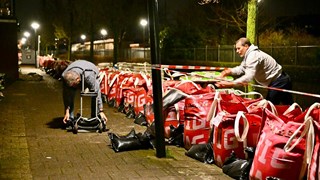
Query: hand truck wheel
100	128
75	128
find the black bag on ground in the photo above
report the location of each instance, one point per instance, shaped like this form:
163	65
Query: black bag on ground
111	102
125	144
145	141
121	108
131	134
150	133
238	168
131	141
201	152
141	120
130	112
176	135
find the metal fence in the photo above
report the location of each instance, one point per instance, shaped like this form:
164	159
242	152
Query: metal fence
285	55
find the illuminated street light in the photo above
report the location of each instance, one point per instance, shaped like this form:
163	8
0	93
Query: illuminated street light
35	26
103	32
143	23
23	40
83	37
26	34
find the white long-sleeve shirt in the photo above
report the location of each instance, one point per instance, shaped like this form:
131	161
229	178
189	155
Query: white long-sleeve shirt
257	65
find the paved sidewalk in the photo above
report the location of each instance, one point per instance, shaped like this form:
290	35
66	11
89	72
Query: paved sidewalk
33	144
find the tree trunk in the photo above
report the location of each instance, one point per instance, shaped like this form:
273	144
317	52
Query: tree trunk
252	26
252	21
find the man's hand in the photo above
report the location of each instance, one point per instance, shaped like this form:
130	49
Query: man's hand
225	72
103	116
225	84
66	118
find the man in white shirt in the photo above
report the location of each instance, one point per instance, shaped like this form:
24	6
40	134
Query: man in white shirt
261	67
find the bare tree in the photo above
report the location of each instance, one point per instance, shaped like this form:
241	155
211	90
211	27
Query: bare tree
121	16
239	15
62	15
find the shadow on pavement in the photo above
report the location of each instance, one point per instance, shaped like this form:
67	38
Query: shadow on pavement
56	123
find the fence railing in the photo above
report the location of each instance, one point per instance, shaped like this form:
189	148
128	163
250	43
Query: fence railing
285	55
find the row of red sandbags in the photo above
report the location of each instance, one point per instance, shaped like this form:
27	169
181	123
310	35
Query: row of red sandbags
229	121
53	67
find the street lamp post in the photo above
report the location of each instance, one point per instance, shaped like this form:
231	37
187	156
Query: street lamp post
104	33
39	43
144	23
35	26
26	34
83	37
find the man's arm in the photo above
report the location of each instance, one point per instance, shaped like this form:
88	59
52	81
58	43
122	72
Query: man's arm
238	70
250	69
68	95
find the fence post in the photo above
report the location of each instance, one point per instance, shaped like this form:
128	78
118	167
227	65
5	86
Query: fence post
296	54
218	51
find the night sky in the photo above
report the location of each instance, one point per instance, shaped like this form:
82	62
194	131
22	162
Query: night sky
27	10
292	7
